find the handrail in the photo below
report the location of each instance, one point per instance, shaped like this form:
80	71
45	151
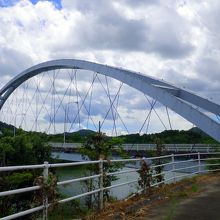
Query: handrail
122	172
13	168
23	213
77	180
26	167
172	169
17	191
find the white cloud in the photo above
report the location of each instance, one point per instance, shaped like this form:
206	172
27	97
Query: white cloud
177	42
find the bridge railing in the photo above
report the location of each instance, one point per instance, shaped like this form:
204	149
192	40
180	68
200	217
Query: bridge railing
175	167
144	147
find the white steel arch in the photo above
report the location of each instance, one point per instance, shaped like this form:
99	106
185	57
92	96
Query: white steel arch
179	100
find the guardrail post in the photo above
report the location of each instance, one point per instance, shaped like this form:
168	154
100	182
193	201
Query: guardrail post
101	183
173	168
45	198
199	161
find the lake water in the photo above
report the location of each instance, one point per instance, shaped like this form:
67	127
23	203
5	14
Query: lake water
121	192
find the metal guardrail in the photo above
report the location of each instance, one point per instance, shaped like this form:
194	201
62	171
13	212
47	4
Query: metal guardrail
144	147
172	162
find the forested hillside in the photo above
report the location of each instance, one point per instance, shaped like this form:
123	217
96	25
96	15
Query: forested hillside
192	136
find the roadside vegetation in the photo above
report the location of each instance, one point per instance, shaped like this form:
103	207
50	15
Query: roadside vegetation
23	149
149	176
99	146
32	148
163	200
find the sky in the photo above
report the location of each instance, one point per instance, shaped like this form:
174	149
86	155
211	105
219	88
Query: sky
174	40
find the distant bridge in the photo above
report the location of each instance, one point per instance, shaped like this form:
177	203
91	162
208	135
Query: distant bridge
73	147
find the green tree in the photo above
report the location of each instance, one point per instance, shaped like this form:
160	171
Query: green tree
158	162
22	149
146	178
100	146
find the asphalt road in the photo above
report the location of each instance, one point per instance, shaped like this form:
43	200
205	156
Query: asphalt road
204	206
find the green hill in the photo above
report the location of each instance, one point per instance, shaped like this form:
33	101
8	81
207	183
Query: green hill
4	126
192	136
171	137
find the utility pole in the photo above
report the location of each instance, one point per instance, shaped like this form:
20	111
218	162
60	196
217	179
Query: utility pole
99	127
100	169
15	126
99	139
15	123
64	129
65	120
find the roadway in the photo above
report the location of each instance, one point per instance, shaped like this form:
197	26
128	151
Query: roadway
204	205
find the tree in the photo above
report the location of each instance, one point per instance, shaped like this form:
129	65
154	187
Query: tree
22	149
146	178
100	146
158	162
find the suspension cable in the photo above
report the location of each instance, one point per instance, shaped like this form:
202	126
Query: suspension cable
169	118
148	115
112	105
109	97
82	104
156	113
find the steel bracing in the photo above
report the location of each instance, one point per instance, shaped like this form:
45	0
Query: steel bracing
183	102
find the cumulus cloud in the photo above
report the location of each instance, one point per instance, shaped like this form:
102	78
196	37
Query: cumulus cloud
176	42
106	28
141	3
12	61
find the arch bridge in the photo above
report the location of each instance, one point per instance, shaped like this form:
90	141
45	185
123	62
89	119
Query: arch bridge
183	102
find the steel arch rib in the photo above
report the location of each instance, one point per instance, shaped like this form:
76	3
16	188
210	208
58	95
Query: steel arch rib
179	100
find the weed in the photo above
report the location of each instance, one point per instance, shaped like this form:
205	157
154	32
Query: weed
172	209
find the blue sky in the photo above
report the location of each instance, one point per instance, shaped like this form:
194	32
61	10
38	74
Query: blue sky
8	3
